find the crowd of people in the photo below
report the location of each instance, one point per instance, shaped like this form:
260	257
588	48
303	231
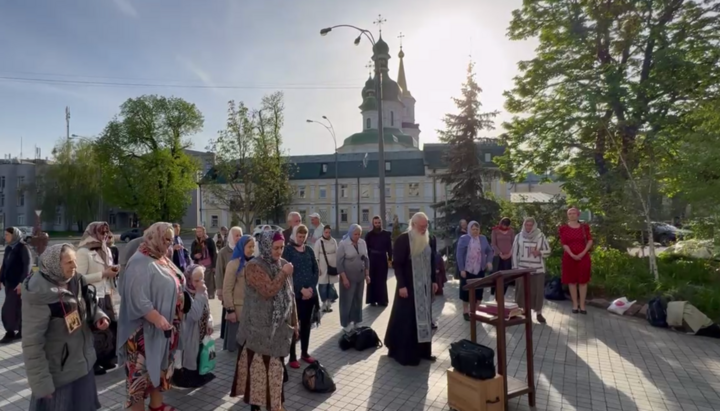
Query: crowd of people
89	309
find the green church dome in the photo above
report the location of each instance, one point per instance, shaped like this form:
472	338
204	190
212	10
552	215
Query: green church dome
370	136
381	47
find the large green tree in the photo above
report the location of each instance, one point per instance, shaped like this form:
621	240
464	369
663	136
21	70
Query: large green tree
251	177
609	81
145	166
466	174
70	184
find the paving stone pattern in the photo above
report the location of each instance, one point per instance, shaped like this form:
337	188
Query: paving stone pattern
598	362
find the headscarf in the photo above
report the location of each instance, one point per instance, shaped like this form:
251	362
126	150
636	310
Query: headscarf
470	225
282	301
188	276
52	265
231	237
350	232
153	244
293	237
575	209
239	252
16	236
94	238
534	233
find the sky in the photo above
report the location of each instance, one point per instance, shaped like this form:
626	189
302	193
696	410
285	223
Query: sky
58	53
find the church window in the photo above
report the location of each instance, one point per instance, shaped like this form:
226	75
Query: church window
392	118
367	122
365	215
343	190
343	216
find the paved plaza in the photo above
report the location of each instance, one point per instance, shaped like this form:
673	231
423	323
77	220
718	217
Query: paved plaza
598	362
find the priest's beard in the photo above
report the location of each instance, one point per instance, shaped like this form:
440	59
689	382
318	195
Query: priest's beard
377	229
418	242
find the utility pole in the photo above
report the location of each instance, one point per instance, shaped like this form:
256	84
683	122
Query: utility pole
381	131
67	123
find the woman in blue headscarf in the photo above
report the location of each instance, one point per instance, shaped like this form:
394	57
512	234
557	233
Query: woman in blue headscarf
233	288
353	265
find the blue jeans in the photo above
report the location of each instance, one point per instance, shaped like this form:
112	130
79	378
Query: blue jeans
327	292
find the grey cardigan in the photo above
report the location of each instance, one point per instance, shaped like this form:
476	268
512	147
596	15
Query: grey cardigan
190	331
352	262
223	258
54	357
145	287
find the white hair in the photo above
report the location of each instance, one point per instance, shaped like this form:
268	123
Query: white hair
416	218
231	241
198	269
294	214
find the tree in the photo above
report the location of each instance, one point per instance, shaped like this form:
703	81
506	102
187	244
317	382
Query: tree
144	164
623	70
251	177
466	175
70	184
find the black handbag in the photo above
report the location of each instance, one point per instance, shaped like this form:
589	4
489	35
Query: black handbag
366	337
331	271
317	379
472	359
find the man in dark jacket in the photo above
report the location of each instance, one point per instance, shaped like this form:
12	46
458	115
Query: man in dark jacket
16	267
294	219
204	252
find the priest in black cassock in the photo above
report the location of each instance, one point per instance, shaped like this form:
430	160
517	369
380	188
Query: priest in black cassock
409	332
379	245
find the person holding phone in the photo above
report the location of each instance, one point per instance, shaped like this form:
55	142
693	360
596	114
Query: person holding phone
151	314
95	264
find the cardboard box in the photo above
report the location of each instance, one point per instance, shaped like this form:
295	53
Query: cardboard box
469	394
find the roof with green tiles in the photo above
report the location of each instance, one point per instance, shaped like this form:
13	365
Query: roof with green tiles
402	163
370	136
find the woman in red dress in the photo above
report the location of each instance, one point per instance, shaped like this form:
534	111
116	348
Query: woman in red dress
576	265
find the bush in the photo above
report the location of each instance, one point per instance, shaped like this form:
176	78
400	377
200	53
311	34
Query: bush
618	274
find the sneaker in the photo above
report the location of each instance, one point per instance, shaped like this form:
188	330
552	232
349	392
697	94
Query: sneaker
8	338
294	364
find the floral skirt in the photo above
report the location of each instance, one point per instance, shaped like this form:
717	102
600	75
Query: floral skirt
138	379
259	379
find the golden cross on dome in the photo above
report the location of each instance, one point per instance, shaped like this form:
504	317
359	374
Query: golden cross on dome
379	22
370	66
401	37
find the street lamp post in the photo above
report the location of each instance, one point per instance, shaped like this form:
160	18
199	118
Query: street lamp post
378	99
331	130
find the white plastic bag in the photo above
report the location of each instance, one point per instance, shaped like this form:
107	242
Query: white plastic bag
620	305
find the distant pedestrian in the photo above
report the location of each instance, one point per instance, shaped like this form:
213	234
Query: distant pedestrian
577	242
474	257
220	238
58	341
180	254
316	229
16	267
204	252
502	238
353	265
326	253
294	219
529	251
379	247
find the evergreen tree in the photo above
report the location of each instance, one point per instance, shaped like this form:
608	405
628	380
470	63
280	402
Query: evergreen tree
466	175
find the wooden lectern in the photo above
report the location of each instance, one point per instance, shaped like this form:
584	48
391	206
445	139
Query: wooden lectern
513	386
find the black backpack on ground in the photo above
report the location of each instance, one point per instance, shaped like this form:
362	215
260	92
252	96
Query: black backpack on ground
472	359
657	313
360	339
317	379
554	290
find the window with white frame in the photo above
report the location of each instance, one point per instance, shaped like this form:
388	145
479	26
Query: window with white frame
365	215
21	219
214	221
343	215
21	199
323	214
365	191
301	190
112	219
323	168
20	182
388	191
488	157
388	166
414	190
412	212
302	214
343	190
322	191
58	218
258	222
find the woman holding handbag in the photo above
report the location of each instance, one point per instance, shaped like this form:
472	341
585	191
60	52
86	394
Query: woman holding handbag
326	251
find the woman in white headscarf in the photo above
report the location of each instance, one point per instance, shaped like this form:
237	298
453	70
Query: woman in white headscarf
530	249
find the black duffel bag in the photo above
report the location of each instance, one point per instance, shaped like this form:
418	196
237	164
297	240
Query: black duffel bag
472	359
317	379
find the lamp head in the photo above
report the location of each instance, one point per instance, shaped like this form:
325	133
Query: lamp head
357	40
309	121
325	31
325	117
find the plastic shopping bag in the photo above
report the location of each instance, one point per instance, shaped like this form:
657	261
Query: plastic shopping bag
620	305
206	364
